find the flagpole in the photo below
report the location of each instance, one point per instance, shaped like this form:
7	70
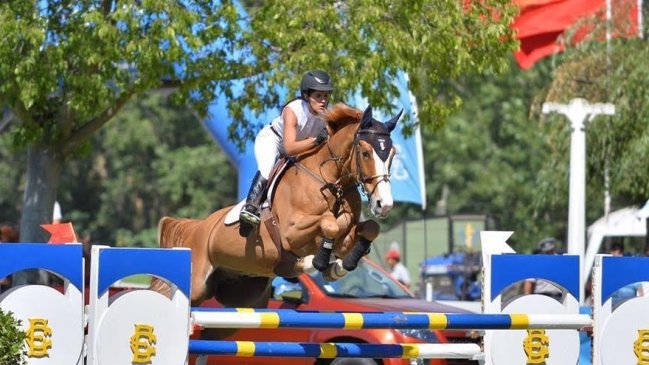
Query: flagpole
640	21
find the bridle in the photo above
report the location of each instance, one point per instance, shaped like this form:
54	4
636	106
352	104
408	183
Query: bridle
360	178
336	188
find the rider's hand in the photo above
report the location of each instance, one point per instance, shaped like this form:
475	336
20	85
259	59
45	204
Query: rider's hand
321	137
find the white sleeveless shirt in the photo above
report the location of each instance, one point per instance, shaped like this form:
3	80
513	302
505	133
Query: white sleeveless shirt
308	124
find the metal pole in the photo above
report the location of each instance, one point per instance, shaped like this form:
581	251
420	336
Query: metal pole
579	112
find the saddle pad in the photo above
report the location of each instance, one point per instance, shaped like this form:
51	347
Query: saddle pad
233	215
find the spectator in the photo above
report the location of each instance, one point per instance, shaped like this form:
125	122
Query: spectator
398	270
617	249
7	234
547	246
628	291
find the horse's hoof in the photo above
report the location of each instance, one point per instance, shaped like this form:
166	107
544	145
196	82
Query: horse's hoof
337	270
334	271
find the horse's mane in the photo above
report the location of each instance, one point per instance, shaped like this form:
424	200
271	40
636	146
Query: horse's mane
342	115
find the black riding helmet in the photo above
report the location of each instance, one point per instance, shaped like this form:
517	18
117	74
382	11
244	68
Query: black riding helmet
315	80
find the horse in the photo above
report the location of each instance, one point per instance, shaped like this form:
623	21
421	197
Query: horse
314	217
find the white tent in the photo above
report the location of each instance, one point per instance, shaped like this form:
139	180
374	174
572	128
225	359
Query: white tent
627	222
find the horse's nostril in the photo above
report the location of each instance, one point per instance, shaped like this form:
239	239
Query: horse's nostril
378	203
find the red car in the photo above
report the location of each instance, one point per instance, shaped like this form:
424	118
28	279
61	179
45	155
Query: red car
367	289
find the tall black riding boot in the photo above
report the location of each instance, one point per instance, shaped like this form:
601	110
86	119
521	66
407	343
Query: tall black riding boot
250	211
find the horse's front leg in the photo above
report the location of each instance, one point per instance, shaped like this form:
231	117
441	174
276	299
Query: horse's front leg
366	232
330	230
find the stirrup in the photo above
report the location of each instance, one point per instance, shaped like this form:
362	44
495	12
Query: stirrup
249	217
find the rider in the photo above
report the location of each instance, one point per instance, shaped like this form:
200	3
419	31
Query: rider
299	128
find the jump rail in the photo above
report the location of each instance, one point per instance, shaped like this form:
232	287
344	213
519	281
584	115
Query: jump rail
529	329
248	318
334	350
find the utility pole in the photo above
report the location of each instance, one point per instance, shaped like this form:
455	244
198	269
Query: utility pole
579	112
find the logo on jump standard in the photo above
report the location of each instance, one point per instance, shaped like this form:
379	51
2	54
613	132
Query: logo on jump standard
641	347
143	344
38	338
536	346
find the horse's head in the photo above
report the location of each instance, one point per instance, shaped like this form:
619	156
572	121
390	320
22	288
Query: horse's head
373	157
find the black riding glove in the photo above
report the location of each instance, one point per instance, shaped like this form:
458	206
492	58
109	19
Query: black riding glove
321	137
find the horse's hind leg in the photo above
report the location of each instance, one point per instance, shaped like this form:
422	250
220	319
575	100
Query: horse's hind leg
366	232
202	287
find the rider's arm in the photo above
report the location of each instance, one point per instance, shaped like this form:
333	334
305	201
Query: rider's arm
291	145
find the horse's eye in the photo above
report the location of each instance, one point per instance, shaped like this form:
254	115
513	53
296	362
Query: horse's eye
366	154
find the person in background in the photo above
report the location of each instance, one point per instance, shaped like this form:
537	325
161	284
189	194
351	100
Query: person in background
627	291
7	234
547	246
398	271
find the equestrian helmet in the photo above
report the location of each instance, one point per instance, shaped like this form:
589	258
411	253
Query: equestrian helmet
316	80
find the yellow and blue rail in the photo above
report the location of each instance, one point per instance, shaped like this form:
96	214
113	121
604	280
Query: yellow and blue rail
286	318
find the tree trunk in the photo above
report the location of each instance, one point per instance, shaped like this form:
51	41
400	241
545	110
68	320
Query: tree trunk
43	173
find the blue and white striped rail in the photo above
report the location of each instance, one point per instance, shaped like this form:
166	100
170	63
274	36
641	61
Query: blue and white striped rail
334	350
284	318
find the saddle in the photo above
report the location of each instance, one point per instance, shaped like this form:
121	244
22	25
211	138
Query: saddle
276	173
286	262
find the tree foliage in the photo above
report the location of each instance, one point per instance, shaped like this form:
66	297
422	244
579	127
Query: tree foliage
67	68
489	157
617	74
154	160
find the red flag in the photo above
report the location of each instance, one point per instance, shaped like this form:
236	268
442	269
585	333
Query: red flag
60	233
541	23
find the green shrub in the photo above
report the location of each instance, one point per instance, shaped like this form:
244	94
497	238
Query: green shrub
11	340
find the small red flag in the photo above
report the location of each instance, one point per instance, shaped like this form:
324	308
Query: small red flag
60	233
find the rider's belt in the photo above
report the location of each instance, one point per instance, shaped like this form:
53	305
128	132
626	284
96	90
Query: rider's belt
276	132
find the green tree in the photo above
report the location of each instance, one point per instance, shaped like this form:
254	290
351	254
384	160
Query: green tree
489	156
617	74
67	68
154	159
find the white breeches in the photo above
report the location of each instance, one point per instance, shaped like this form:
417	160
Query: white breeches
267	150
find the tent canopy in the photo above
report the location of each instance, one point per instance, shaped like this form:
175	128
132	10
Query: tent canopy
626	222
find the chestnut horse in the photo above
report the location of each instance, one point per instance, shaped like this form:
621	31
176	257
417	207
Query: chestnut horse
316	207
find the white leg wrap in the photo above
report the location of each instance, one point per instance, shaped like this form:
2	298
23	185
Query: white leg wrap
307	264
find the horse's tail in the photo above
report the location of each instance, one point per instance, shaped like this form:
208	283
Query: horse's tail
170	232
168	237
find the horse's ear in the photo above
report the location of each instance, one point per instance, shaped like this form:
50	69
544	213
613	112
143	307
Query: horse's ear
393	122
366	119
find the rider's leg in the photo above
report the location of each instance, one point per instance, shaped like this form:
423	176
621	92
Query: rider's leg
266	152
250	211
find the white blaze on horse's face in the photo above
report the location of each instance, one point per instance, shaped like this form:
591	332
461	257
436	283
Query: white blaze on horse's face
377	150
381	201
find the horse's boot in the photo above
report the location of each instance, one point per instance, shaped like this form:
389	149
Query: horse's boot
360	249
321	259
250	211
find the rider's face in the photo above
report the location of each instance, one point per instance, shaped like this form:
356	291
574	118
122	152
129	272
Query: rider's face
318	101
